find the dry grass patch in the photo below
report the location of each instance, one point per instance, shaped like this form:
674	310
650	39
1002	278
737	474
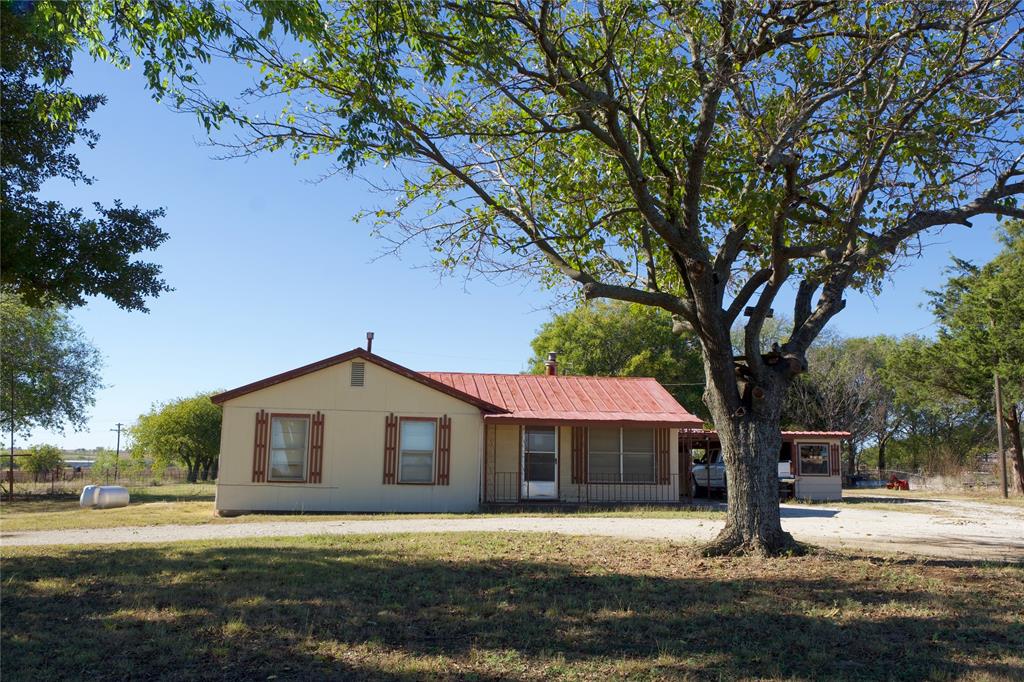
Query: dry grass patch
193	505
490	606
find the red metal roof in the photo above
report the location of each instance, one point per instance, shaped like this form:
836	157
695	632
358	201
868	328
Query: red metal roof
541	398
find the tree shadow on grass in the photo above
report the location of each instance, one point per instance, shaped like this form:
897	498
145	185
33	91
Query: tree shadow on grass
356	608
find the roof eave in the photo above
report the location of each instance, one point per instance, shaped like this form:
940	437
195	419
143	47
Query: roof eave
363	354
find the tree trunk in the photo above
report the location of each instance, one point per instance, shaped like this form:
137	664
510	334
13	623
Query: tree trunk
216	467
751	437
881	454
851	461
205	475
1016	456
192	467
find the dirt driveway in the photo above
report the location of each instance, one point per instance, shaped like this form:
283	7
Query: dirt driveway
936	527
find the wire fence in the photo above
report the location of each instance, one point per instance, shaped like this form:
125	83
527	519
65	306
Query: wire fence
71	480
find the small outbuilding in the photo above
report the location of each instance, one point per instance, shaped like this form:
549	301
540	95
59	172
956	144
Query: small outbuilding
809	461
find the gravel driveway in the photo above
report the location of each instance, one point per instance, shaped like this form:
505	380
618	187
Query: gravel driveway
943	528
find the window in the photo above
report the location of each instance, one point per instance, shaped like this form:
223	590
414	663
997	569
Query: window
289	445
621	455
814	459
417	440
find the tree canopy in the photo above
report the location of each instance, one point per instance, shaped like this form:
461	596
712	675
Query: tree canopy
622	339
980	316
50	253
186	431
43	459
49	371
696	157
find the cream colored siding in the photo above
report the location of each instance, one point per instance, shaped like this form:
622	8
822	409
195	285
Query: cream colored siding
353	458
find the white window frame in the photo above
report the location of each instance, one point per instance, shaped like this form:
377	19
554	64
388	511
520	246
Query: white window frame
270	449
433	452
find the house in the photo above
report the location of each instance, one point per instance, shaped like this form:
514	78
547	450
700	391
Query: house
808	461
357	432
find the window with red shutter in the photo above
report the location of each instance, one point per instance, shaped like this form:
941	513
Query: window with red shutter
444	450
259	450
316	449
390	447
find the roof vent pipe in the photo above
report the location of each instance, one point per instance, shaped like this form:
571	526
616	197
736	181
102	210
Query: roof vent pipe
369	342
552	363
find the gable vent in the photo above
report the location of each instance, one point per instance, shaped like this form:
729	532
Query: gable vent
358	373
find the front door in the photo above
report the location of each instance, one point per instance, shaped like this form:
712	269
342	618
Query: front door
540	463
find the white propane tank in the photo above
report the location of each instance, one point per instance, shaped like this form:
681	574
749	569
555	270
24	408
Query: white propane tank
111	496
88	498
103	497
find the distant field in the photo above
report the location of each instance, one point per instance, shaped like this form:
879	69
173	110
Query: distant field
498	606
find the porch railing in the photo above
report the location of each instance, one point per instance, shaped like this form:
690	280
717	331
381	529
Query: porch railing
507	487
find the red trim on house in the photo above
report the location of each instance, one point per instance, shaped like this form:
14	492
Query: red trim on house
444	450
390	447
626	423
579	455
363	354
316	454
662	448
259	451
834	464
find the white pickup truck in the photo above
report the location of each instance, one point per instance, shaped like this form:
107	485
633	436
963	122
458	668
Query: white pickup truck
711	479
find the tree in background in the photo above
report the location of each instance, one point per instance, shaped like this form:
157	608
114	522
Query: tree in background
49	253
49	372
980	315
43	460
694	157
623	339
186	430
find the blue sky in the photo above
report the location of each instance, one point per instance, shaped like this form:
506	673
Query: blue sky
270	272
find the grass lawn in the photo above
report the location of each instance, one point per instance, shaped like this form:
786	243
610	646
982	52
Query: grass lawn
193	505
490	606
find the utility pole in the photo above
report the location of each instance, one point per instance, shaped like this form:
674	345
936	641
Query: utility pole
117	457
999	434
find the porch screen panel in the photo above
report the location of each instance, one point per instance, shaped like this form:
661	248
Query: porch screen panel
638	455
604	455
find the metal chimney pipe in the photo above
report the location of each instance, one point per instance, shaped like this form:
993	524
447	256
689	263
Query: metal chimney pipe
552	363
369	342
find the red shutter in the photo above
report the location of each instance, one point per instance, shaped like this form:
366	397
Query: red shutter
662	449
444	450
316	449
259	450
579	455
390	448
833	450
